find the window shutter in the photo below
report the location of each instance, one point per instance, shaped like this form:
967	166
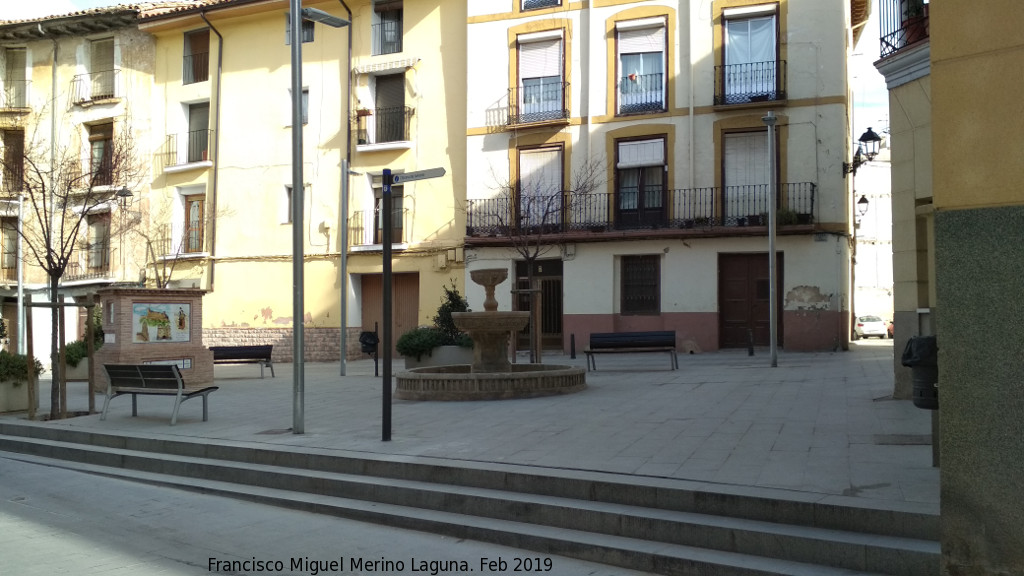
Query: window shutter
540	171
642	40
746	159
102	57
540	59
641	153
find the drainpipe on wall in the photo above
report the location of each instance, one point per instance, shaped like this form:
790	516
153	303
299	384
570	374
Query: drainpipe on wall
343	201
216	148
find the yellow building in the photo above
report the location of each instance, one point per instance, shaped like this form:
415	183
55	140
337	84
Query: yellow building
958	212
373	96
619	162
76	94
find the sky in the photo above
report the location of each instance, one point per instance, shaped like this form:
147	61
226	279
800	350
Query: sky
870	99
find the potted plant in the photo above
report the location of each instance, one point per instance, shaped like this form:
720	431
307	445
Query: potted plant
361	112
786	217
440	344
13	376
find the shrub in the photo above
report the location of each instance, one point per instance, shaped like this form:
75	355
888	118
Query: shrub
75	351
452	302
14	367
419	341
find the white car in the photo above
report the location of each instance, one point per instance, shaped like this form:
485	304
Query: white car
870	326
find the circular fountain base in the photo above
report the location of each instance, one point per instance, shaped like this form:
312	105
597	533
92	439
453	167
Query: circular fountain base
457	382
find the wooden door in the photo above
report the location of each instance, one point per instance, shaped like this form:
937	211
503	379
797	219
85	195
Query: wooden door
743	299
405	298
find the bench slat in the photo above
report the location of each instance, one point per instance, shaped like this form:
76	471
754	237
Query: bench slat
626	342
151	379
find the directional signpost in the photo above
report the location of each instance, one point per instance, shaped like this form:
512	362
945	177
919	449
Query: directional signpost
390	180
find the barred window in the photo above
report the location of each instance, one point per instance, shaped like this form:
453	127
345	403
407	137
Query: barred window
641	285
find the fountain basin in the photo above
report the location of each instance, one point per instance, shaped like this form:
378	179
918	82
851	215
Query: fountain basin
458	382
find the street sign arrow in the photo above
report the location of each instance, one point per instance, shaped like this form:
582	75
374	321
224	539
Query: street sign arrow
403	177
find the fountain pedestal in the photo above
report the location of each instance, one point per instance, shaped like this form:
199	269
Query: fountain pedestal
491	376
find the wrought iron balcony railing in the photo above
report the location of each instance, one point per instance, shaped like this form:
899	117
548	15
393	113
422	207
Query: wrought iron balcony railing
15	94
538	102
387	36
902	23
537	4
95	86
729	207
384	125
187	148
639	93
90	263
196	68
751	82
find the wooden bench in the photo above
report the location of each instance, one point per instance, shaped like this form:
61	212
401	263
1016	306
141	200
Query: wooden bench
245	355
631	342
150	379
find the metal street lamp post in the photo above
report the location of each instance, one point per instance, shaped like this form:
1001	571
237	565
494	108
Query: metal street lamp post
298	287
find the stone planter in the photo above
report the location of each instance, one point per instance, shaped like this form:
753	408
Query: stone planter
13	398
442	356
78	373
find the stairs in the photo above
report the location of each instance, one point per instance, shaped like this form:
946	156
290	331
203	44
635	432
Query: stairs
640	523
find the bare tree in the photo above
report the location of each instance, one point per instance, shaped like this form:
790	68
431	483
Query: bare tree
63	184
531	214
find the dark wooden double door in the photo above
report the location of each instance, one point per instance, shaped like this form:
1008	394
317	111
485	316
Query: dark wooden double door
743	299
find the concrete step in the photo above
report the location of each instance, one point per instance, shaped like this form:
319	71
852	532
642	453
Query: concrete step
599	504
612	549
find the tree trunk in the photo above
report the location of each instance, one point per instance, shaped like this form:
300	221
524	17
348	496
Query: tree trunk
55	367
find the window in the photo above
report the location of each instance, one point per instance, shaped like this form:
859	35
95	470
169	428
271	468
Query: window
194	221
540	187
751	68
196	66
641	285
641	46
98	242
15	82
307	30
101	159
101	68
745	177
9	239
537	4
641	174
397	211
198	132
389	122
304	106
386	27
14	160
541	93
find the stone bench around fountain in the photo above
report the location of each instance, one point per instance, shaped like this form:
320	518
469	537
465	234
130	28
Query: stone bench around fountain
491	376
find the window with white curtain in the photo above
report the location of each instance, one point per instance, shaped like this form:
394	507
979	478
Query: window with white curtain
751	54
641	47
747	173
540	186
541	94
640	182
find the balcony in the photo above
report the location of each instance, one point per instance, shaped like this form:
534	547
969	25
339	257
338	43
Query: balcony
538	102
902	23
642	93
750	83
95	86
188	148
15	94
91	263
717	210
383	125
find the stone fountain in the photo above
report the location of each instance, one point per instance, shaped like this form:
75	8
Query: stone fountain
491	376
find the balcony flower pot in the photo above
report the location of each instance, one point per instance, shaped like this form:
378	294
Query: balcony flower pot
362	112
803	218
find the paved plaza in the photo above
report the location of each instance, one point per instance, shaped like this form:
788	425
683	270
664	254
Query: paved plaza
820	423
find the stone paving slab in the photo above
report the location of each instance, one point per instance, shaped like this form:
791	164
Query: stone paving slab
820	423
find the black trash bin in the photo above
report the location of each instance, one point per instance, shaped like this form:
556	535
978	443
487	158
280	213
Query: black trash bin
922	356
368	342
